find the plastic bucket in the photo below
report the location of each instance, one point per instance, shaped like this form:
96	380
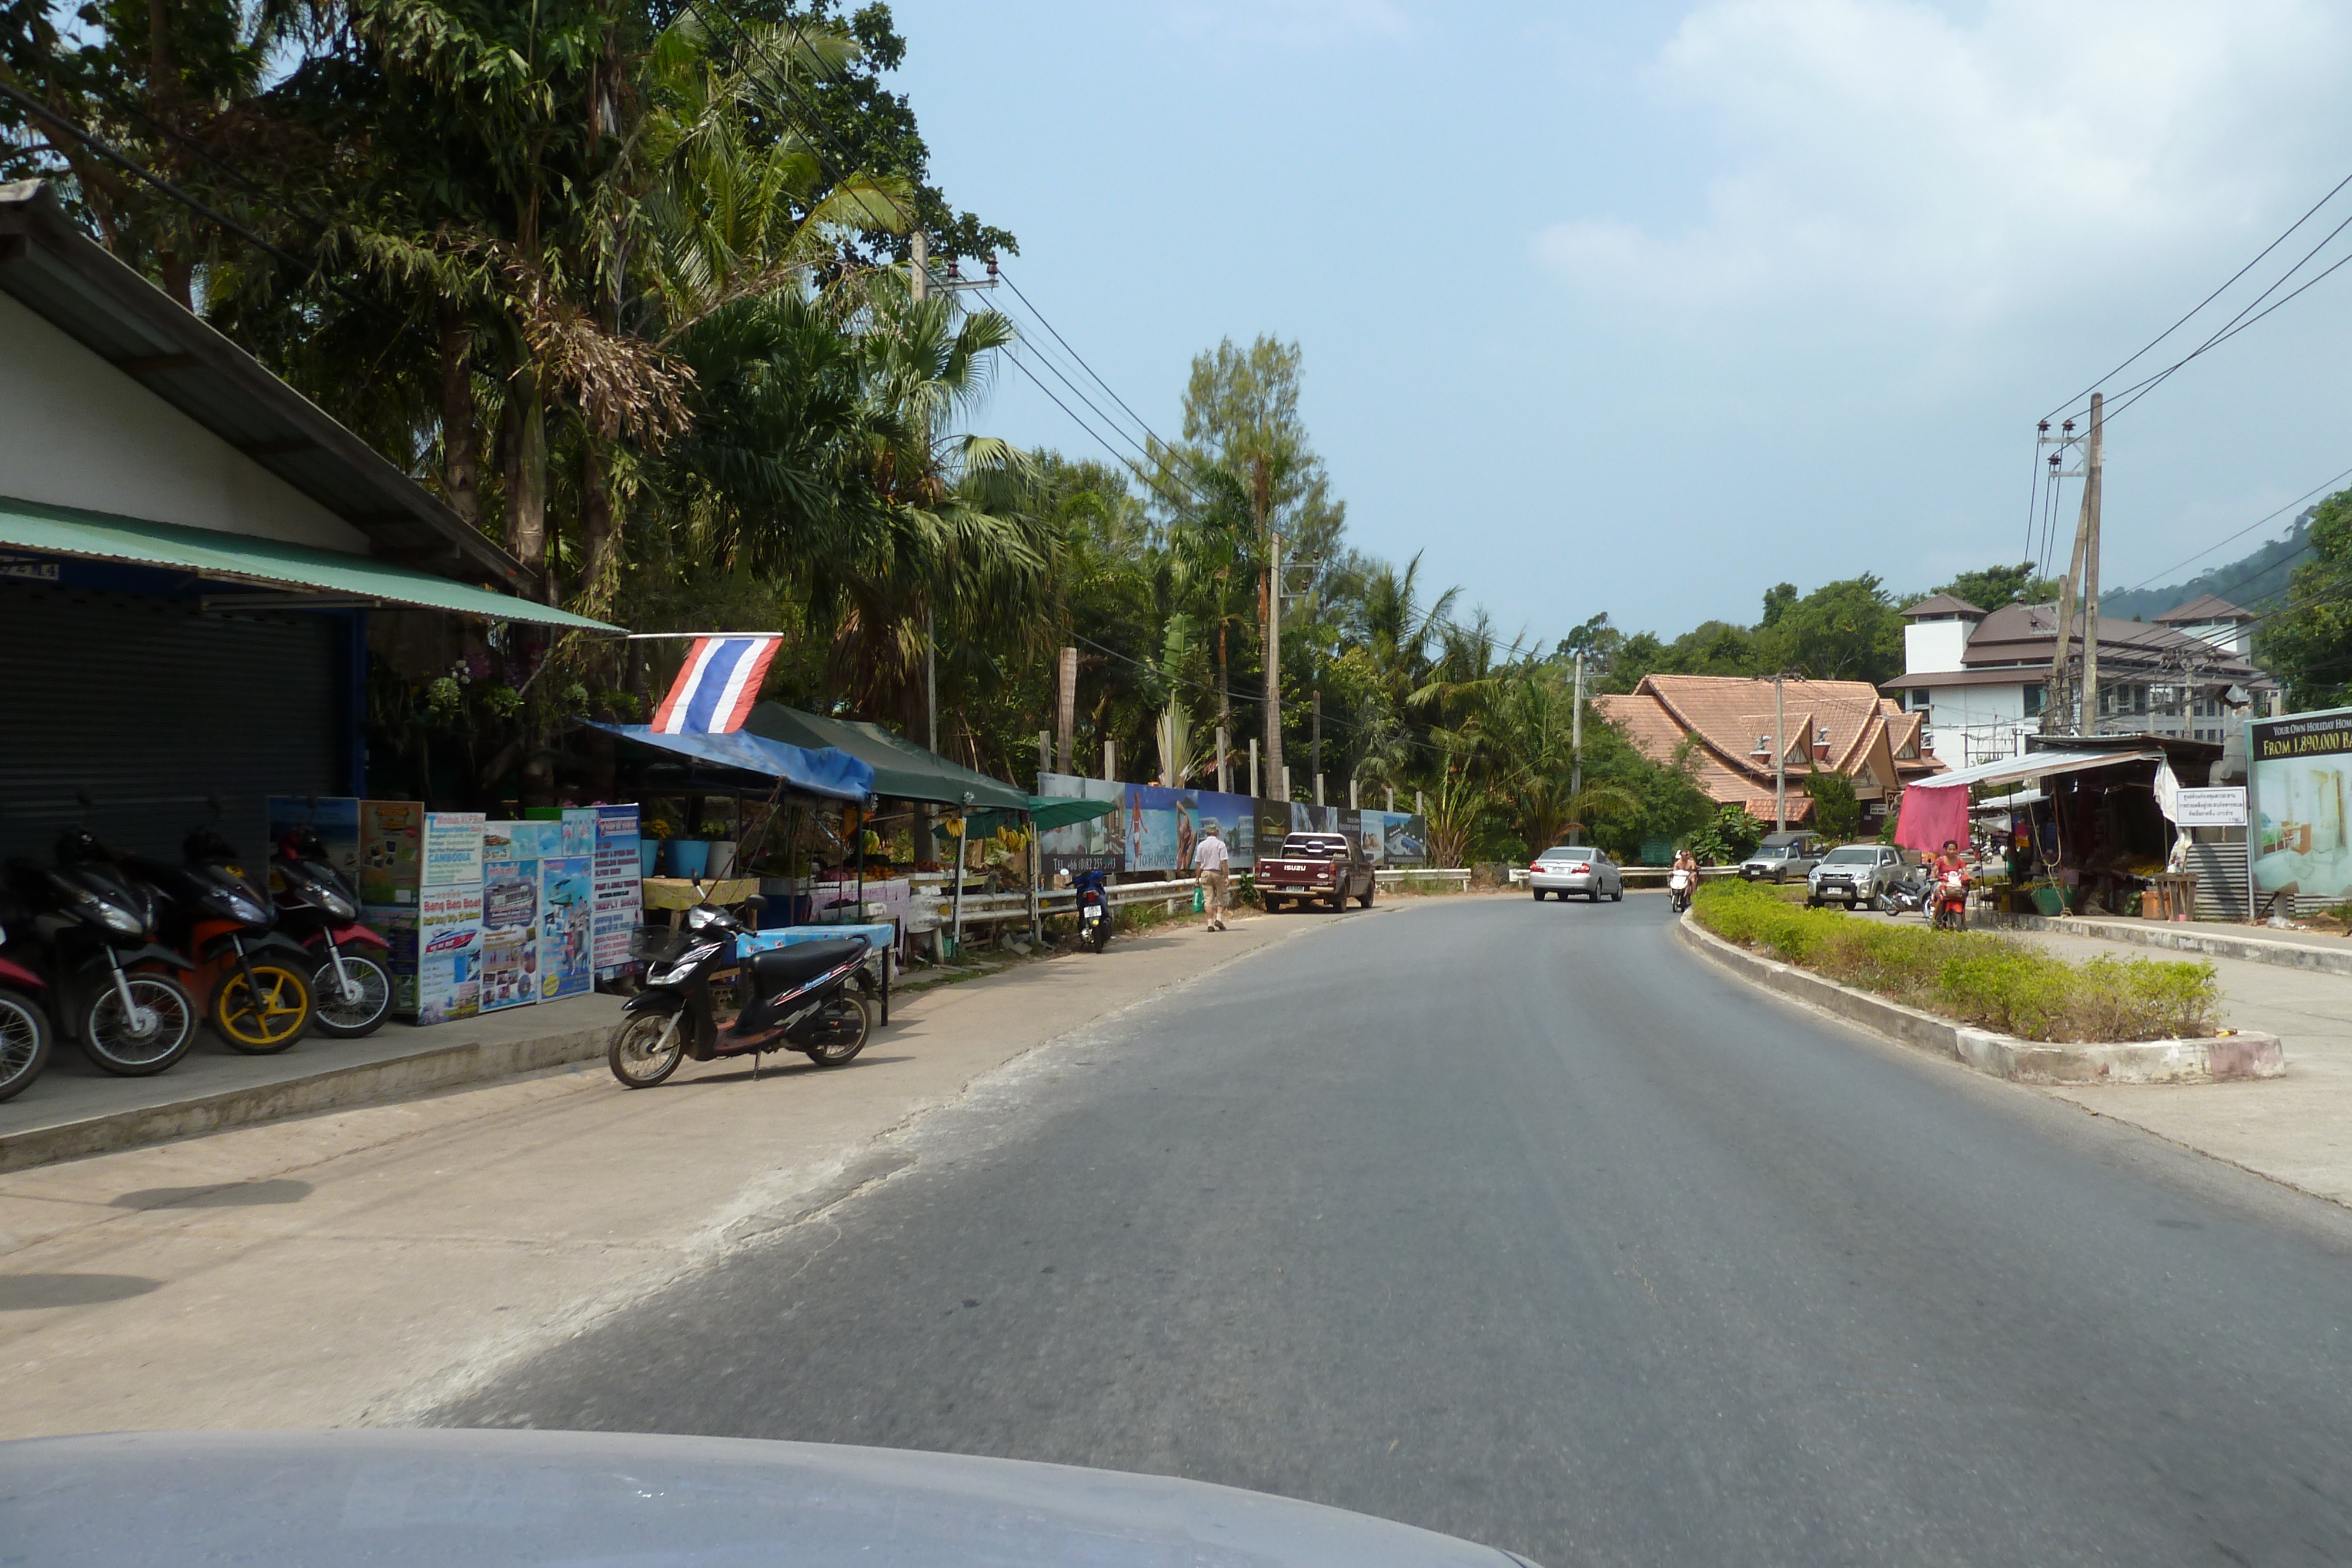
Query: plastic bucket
2050	900
689	858
648	856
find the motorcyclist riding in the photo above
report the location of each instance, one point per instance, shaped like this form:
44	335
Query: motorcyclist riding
1681	877
1950	870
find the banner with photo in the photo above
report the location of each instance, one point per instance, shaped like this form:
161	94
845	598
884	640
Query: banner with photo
2300	769
1156	828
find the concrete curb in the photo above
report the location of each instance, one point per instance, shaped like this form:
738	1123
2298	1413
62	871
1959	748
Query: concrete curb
335	1089
2179	938
2247	1055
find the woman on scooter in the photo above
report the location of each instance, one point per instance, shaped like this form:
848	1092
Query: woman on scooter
1950	870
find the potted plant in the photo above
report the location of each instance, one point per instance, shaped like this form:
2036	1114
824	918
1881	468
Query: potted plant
718	850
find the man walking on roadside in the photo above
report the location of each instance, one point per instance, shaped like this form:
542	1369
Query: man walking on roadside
1208	859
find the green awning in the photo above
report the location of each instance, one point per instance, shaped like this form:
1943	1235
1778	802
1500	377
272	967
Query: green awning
243	558
902	771
1045	813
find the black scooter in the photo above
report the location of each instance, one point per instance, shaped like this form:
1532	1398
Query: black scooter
1095	920
702	999
1907	896
114	986
352	985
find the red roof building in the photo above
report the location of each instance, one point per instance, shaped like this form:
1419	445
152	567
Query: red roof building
1831	726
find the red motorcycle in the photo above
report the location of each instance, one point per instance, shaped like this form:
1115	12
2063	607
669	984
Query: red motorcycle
1951	900
24	1018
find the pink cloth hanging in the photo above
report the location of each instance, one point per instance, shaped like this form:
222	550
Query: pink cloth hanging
1929	816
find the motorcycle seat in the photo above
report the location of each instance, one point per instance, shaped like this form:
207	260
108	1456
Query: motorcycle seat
781	968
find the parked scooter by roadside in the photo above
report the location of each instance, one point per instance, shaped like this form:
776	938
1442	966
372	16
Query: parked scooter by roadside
112	985
350	985
1907	894
1094	917
252	982
24	1010
704	1000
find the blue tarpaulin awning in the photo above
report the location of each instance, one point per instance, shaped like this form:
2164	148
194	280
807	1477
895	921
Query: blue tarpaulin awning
832	774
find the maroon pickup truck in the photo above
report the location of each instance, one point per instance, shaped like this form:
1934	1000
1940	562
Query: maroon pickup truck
1327	869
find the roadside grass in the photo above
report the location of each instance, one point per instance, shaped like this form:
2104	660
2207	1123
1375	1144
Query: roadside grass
1993	982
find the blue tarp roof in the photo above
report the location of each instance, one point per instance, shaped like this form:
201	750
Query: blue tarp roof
827	772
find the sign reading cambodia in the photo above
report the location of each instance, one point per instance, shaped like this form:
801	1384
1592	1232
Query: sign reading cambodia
2300	769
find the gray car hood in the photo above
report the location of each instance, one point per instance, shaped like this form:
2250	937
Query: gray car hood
324	1499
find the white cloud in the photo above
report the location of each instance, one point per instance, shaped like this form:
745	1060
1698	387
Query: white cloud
1880	156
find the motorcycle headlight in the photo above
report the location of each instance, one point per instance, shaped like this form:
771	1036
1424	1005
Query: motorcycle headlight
339	906
682	964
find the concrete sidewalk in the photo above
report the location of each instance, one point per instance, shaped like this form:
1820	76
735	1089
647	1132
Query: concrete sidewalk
75	1108
2297	1129
352	1267
2286	947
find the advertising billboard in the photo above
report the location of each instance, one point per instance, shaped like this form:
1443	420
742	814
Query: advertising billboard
2301	770
1155	828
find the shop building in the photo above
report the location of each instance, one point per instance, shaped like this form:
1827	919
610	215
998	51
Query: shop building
1979	678
190	554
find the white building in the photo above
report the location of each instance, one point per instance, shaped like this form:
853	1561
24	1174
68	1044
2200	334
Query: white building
1981	677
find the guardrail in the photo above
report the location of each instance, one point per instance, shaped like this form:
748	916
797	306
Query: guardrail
986	909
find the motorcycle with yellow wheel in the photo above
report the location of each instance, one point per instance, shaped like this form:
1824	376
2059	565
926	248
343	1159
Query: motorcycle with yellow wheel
253	983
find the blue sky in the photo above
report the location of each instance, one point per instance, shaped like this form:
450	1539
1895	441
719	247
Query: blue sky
1644	309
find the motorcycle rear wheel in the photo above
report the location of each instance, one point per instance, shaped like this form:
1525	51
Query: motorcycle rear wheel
841	1028
1101	938
109	1039
350	1019
24	1042
267	1017
638	1057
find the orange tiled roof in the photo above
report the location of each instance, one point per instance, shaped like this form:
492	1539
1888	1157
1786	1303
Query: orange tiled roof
1724	715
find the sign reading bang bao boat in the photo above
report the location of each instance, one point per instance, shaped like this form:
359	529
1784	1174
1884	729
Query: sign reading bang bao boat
449	917
2301	768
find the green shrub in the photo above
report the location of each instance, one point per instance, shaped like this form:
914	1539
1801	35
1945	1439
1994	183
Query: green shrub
1993	982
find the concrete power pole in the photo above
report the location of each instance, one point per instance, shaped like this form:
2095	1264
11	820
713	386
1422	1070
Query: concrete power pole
1262	502
1780	762
2093	484
1065	719
1576	736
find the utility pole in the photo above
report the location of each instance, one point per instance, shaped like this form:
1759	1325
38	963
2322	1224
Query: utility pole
1262	502
1317	757
1576	736
1780	762
2093	484
2061	690
1224	761
931	680
1067	719
1110	760
1253	789
918	263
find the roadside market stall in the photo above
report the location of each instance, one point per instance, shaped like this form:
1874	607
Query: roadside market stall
2098	834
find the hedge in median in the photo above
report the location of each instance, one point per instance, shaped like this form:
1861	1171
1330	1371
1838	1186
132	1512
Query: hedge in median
1993	982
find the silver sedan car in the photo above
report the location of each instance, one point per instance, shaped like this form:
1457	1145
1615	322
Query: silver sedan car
1564	869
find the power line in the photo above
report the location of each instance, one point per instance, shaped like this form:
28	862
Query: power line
2209	299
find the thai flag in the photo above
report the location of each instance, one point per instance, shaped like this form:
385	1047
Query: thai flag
718	685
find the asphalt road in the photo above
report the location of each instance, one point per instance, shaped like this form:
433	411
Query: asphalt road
1521	1222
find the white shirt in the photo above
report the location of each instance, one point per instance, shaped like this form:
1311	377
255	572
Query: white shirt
1209	854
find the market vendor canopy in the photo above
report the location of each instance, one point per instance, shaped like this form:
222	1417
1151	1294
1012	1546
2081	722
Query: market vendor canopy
902	771
1044	814
247	560
822	771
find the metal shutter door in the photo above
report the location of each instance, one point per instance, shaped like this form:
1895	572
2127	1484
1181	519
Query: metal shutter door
150	706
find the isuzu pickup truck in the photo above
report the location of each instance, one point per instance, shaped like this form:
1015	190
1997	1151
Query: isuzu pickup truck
1326	869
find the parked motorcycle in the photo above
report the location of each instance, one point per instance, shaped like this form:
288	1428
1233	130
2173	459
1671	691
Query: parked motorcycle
1094	917
111	984
24	1011
1678	883
1907	896
351	984
702	999
252	982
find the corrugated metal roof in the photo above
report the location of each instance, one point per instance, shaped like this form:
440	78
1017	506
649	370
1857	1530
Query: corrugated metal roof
62	275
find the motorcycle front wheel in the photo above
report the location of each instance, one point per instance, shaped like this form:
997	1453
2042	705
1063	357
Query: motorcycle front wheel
638	1057
349	1018
115	1038
24	1042
267	1016
837	1033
